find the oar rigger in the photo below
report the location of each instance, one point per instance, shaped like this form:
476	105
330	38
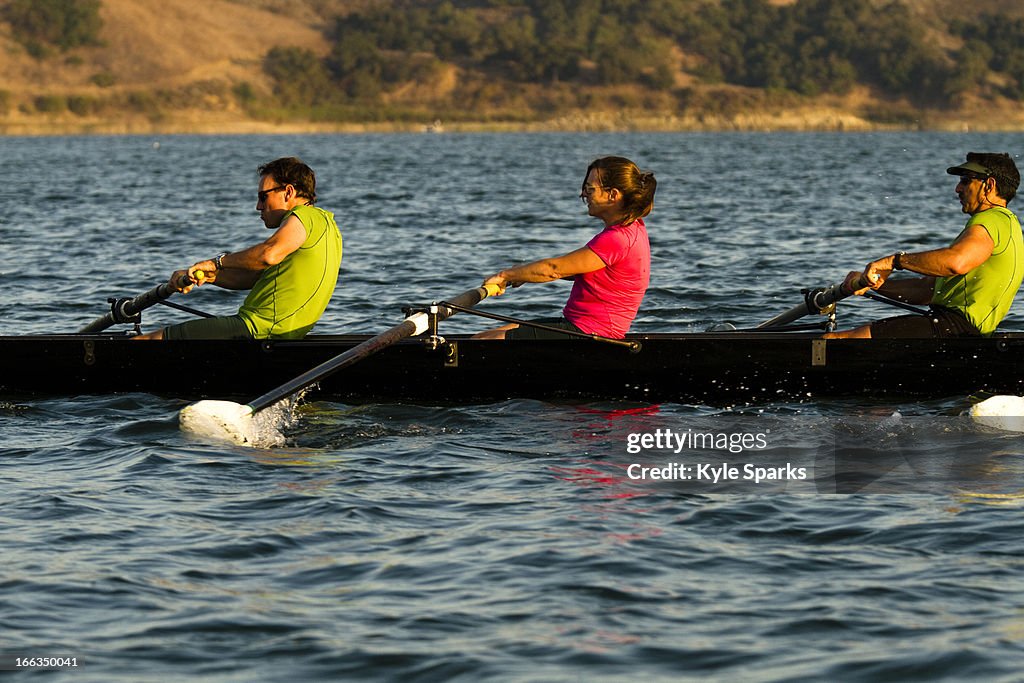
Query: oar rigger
822	301
433	315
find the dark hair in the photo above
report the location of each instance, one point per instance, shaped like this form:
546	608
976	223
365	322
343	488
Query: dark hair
292	171
637	187
1002	169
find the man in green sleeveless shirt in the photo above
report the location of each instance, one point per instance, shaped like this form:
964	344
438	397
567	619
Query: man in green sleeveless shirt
970	284
290	276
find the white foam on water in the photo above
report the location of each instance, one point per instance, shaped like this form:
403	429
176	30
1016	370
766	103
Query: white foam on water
1000	412
234	423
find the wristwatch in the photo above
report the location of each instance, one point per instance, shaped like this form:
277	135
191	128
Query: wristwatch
218	258
897	260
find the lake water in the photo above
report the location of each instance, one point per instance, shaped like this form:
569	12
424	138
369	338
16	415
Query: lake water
504	541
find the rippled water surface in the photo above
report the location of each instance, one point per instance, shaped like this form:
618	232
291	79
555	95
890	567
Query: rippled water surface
504	541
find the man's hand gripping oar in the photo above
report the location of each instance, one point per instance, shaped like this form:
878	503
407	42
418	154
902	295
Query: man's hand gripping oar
128	310
820	301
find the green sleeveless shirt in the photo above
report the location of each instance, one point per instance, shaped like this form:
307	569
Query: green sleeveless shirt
290	297
984	294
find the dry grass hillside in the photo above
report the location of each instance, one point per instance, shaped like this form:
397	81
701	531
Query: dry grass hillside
168	45
162	43
179	66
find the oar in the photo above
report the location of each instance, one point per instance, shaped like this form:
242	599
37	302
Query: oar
226	420
127	310
815	301
1000	412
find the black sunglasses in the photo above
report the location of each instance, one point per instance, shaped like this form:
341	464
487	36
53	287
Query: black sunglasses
262	195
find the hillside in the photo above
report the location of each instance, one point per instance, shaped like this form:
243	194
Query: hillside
252	65
171	64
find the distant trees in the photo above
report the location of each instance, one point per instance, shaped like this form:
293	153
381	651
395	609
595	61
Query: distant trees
298	74
45	24
815	46
992	44
807	47
527	41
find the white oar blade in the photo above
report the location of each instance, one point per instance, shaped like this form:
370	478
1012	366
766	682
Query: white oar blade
220	421
1000	412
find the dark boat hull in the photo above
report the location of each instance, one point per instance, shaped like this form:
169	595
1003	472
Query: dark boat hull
713	368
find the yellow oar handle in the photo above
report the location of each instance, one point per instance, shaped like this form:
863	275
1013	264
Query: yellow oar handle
185	280
492	289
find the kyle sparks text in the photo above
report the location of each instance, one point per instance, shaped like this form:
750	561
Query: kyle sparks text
717	473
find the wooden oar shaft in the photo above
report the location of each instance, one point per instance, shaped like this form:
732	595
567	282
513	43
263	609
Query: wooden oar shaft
414	324
123	310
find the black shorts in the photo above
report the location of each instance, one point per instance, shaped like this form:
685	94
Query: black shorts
524	332
228	327
941	322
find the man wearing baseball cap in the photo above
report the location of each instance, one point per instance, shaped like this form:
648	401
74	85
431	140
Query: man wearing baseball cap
969	285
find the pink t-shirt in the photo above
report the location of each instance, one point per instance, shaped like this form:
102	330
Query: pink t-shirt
605	301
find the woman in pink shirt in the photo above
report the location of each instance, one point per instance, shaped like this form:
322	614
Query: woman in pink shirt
611	273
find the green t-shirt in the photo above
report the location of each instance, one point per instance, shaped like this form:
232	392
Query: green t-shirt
985	293
289	298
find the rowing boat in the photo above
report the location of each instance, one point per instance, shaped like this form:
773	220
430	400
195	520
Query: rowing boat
705	367
413	362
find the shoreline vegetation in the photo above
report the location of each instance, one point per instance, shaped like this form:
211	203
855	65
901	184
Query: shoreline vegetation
110	67
807	119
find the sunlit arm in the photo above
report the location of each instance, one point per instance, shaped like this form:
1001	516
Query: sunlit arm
241	269
583	260
970	250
